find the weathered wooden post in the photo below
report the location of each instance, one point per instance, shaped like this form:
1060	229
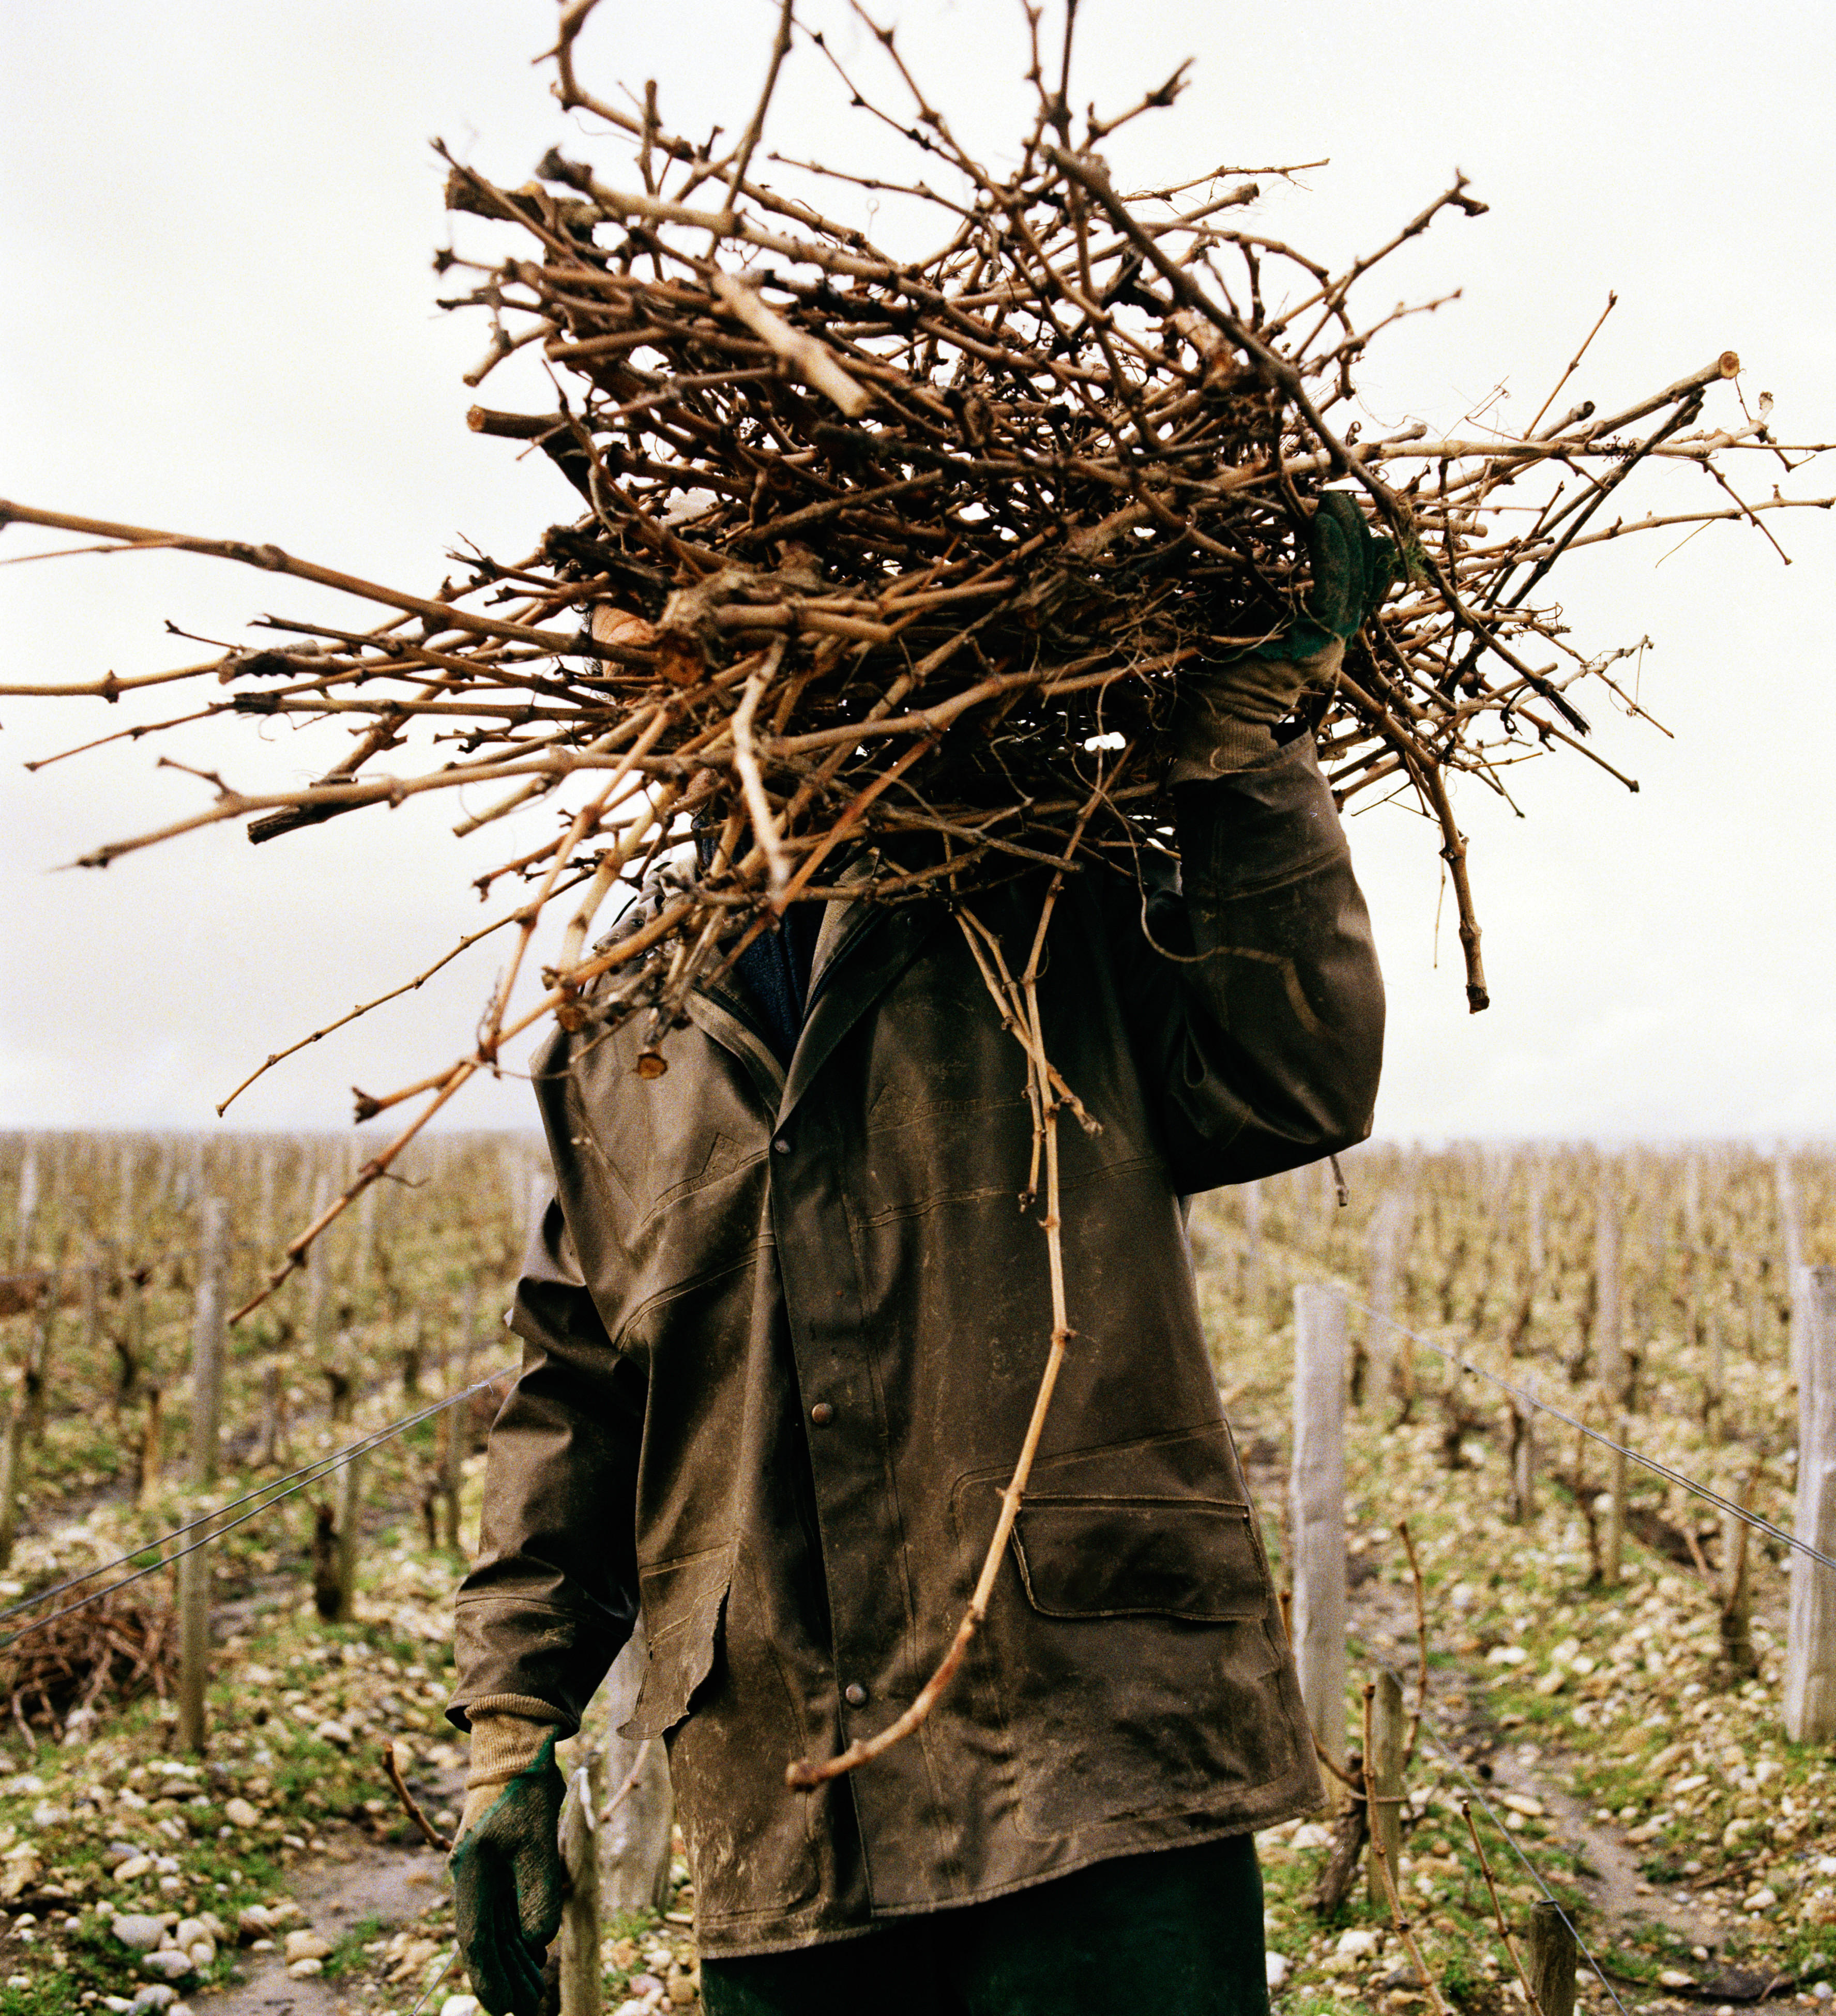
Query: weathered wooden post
194	1643
1536	1216
274	1437
1523	1421
1810	1645
25	1224
1317	1510
1386	1256
1791	1239
1610	1362
411	1363
11	1437
365	1264
456	1420
579	1972
1253	1276
1386	1770
89	1283
206	1339
265	1208
319	1311
153	1443
125	1203
1551	1959
38	1347
634	1830
1736	1593
348	1511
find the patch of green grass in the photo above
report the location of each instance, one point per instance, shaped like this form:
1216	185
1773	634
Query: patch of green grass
349	1952
51	1994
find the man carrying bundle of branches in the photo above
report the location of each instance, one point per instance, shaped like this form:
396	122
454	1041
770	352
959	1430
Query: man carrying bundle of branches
785	1326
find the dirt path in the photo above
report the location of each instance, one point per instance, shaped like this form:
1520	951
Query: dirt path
1593	1855
357	1881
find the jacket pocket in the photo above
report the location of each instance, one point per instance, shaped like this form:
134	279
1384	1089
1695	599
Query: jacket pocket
682	1601
1088	1556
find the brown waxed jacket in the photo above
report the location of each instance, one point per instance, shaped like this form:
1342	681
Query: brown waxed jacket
782	1334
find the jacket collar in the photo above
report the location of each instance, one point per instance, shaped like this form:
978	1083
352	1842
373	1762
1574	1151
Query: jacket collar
860	953
860	950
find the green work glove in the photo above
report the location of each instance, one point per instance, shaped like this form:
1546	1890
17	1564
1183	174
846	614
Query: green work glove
507	1885
1352	569
1227	712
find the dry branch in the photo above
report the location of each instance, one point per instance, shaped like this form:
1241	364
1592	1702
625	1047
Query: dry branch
875	550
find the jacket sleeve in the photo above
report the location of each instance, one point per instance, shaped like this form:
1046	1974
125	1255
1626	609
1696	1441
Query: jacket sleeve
553	1595
1256	1007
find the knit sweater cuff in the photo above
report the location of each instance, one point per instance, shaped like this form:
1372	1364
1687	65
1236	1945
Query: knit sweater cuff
508	1732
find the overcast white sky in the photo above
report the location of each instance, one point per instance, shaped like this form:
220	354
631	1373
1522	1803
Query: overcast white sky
215	226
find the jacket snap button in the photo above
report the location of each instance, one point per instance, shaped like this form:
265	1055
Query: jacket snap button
855	1694
782	1144
822	1413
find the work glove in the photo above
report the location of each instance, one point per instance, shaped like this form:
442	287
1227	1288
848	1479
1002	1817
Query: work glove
1227	712
507	1879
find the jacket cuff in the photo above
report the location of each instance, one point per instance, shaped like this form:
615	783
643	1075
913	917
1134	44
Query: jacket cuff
1226	716
1253	831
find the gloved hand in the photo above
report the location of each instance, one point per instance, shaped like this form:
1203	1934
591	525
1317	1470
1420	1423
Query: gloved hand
507	1879
1227	712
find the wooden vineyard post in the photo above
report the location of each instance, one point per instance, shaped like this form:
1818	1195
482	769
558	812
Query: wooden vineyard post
43	1330
1736	1594
1316	1511
1610	1365
1385	1254
1386	1769
1551	1959
1522	1421
634	1833
1810	1645
152	1444
580	1939
25	1223
90	1281
11	1435
194	1644
411	1363
348	1511
274	1437
1252	1276
455	1419
1791	1239
318	1278
206	1339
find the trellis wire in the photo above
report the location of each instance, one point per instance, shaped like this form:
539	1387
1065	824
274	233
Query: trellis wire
1651	1464
311	1473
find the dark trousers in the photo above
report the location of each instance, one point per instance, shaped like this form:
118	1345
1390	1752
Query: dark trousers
1180	1930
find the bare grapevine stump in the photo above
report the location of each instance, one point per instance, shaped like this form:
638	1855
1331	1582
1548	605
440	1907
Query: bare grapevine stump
1552	1961
206	1340
1387	1721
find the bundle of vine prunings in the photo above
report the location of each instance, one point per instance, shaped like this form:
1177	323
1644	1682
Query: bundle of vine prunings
887	564
102	1655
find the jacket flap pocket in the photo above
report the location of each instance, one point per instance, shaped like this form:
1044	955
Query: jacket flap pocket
682	1601
1090	1556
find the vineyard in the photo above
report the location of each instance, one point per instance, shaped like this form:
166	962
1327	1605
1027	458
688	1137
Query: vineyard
1593	1661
